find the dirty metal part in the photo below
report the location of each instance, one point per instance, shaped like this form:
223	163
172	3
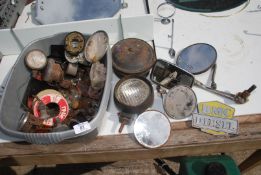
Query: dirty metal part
74	43
133	94
96	46
172	52
50	105
30	124
163	71
53	72
152	129
94	93
165	11
66	84
242	97
124	119
213	83
76	59
36	60
162	167
172	76
180	102
98	75
239	98
72	69
197	58
36	74
60	127
132	56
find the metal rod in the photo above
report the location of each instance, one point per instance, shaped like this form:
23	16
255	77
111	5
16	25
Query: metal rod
172	52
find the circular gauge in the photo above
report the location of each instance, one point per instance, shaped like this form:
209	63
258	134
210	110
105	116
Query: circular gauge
36	60
96	46
74	43
133	94
152	129
197	58
180	102
132	57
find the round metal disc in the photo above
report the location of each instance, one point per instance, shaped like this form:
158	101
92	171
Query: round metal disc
36	60
152	129
132	56
197	58
96	46
74	43
180	102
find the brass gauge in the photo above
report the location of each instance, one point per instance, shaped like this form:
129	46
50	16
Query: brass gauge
74	43
36	60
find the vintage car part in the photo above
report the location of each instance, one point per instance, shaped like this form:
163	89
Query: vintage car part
168	75
152	129
97	75
180	102
51	103
133	94
132	56
72	69
30	124
172	51
53	72
36	60
165	11
74	43
96	46
197	58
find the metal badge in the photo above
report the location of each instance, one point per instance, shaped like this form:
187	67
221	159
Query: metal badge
215	109
132	57
36	60
215	123
197	58
152	129
180	102
96	46
74	43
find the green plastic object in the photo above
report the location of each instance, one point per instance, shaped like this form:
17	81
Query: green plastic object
200	165
207	5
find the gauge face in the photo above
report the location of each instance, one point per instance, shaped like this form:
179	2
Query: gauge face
133	92
152	129
180	102
36	59
96	46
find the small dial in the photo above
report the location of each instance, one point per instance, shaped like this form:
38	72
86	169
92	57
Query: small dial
36	60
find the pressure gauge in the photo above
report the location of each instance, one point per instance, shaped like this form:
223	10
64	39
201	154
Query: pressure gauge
36	60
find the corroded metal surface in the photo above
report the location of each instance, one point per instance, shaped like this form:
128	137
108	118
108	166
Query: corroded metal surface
132	56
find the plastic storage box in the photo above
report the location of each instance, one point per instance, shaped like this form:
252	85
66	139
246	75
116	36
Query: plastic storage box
10	106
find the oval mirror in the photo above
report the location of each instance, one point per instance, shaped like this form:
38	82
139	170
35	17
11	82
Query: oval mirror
197	58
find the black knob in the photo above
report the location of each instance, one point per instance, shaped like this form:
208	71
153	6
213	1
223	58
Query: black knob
215	168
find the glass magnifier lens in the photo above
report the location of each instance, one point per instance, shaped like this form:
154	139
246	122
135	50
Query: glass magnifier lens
165	11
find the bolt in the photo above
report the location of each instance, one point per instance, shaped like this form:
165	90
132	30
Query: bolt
242	97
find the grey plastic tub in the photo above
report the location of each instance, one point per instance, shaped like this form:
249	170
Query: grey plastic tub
10	106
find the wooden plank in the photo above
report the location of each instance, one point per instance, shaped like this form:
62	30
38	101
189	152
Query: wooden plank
124	147
251	162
